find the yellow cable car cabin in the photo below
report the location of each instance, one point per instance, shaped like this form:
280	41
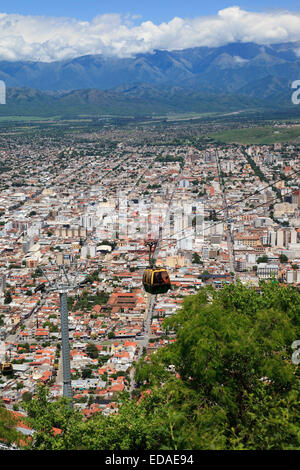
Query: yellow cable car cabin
6	368
156	281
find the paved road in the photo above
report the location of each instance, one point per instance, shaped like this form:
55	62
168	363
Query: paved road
228	232
143	343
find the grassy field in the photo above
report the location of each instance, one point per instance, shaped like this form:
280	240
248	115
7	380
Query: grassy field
259	135
188	116
193	115
27	118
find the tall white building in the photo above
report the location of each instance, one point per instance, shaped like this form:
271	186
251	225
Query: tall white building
87	221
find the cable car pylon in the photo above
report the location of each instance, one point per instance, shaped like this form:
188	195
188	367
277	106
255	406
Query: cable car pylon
62	285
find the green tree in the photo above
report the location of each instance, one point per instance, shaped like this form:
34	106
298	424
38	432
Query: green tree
234	352
263	259
7	297
227	382
86	373
92	351
26	396
46	417
37	273
8	425
196	259
134	427
283	258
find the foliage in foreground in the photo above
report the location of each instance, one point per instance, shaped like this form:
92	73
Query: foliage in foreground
234	386
8	423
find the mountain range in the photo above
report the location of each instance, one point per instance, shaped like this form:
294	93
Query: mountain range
199	79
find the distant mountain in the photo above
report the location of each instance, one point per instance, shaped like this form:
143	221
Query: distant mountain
201	79
233	68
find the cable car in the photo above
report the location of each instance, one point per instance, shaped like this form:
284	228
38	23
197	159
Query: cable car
6	368
155	280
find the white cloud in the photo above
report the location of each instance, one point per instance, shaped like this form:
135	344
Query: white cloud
239	60
49	39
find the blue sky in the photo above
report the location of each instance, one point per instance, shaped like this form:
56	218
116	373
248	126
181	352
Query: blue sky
154	10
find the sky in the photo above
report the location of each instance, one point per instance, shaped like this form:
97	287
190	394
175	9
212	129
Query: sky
154	10
60	30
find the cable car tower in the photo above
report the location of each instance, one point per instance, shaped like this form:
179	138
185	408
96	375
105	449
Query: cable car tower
62	284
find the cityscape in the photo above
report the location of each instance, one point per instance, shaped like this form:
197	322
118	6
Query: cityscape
81	199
